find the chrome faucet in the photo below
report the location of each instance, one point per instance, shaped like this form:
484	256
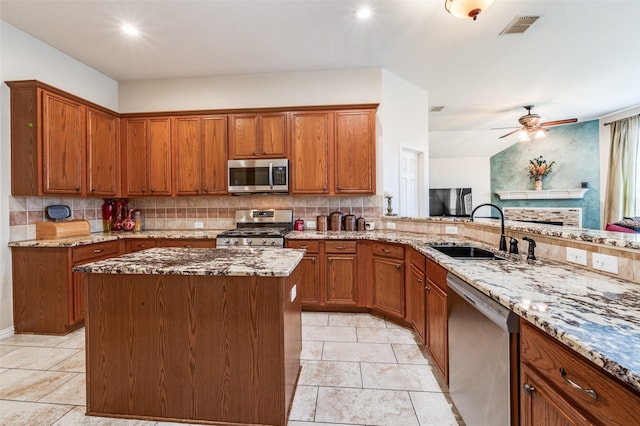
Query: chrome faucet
503	238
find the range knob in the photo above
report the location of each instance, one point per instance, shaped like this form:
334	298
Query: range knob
272	242
225	242
263	242
234	242
248	241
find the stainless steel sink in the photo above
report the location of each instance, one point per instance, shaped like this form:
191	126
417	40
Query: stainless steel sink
466	252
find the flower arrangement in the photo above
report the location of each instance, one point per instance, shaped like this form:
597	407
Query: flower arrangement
539	168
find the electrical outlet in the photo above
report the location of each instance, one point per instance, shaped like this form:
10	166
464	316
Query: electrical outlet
391	225
578	256
311	224
198	225
451	230
293	293
604	262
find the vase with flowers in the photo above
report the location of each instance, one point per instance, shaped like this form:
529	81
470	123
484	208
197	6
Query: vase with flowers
539	168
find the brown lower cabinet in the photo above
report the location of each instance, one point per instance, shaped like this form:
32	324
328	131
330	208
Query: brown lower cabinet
416	296
48	298
134	244
560	387
332	274
437	339
388	292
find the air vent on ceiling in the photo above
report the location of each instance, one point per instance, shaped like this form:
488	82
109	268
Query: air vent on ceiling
519	24
437	108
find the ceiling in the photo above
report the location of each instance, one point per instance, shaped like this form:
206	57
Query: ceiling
580	59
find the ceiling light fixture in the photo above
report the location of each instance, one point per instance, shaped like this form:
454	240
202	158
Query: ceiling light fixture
466	8
363	13
130	29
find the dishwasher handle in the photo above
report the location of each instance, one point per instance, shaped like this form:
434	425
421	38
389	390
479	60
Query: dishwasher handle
494	311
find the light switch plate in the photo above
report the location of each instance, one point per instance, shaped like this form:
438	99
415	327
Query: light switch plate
604	262
311	224
198	225
391	225
578	256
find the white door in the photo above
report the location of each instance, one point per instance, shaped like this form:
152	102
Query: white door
409	183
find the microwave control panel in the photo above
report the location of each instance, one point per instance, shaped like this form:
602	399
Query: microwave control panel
279	175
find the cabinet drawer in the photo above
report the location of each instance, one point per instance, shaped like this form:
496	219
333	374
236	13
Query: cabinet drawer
187	243
437	274
310	246
388	250
95	251
615	404
340	246
141	244
417	259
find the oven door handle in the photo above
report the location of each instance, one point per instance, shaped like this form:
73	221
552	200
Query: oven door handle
271	175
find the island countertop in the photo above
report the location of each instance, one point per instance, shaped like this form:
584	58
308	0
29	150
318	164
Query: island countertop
266	262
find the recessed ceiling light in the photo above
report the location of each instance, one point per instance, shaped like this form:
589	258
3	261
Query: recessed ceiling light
363	13
130	29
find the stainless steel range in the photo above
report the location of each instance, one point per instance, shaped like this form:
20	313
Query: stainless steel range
258	228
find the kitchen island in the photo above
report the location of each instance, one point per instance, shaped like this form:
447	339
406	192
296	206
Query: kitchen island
199	335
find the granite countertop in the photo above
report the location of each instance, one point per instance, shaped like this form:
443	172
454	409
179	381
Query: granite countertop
596	315
111	236
265	262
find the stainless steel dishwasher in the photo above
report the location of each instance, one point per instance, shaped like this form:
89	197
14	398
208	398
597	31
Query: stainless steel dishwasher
479	355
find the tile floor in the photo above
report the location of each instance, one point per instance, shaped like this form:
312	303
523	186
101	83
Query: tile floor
357	369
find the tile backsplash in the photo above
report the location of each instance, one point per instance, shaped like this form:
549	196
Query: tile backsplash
215	212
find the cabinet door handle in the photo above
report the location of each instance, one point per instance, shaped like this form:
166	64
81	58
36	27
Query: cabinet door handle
98	250
313	260
142	245
386	250
426	287
340	247
576	386
303	247
419	280
188	246
528	389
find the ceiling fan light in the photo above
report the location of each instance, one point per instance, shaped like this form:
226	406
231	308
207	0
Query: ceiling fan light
540	134
466	8
523	136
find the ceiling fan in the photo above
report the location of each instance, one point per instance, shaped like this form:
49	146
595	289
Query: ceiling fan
531	125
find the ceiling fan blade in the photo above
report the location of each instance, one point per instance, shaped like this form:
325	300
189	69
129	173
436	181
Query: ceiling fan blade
510	133
500	128
555	123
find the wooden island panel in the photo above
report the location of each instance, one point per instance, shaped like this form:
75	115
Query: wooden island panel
214	349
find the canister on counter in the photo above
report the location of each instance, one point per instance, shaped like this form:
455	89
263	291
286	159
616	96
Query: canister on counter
298	225
350	222
361	224
321	223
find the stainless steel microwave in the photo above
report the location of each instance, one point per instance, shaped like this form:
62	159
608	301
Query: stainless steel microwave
258	176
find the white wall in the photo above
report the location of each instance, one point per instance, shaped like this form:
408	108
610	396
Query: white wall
23	57
252	91
403	123
463	172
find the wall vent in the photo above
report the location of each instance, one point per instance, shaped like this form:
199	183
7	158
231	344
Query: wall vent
519	24
437	108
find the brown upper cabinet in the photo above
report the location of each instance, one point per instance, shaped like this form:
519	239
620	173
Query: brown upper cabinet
333	152
258	136
146	156
201	154
355	152
61	144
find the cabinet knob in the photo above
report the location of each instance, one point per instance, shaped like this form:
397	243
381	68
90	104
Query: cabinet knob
188	246
426	287
419	280
398	266
205	190
151	190
324	188
528	389
340	247
253	153
264	152
93	189
98	250
77	188
197	190
143	190
303	247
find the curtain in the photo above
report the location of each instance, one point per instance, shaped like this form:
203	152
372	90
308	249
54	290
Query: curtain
621	185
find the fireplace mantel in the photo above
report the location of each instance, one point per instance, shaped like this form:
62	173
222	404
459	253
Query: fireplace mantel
545	194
